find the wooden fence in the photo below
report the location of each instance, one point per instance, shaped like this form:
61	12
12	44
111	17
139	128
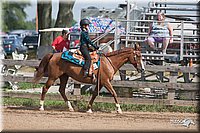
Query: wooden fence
170	85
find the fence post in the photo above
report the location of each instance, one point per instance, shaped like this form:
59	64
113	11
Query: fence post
171	91
124	92
116	42
182	40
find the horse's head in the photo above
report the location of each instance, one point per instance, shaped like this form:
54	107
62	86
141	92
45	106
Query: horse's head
136	59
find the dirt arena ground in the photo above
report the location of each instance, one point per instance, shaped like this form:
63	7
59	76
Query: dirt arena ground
60	120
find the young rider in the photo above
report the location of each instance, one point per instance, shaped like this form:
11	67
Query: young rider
85	43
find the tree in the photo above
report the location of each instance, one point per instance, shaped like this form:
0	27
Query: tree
44	10
64	17
65	14
14	16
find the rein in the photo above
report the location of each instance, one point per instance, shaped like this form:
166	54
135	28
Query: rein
132	74
115	69
119	71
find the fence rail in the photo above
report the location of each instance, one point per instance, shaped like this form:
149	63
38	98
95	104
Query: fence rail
128	67
116	83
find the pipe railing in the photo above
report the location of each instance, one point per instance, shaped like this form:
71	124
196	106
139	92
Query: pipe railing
182	35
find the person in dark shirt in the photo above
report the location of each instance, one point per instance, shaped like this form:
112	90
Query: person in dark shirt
85	43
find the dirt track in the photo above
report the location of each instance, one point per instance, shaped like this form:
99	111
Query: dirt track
32	119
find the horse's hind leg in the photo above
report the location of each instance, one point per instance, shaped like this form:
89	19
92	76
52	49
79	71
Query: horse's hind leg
95	93
44	91
63	82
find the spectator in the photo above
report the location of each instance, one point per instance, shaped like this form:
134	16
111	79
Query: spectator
161	32
61	42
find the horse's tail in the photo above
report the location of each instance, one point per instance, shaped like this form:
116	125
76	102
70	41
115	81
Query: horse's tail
42	67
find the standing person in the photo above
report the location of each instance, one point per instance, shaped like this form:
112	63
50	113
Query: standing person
160	31
61	42
85	43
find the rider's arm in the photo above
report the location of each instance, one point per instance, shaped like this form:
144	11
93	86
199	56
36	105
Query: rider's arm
87	39
54	44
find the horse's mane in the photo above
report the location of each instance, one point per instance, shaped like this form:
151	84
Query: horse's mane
118	52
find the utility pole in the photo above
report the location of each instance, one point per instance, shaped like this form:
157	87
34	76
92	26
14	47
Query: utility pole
127	22
36	20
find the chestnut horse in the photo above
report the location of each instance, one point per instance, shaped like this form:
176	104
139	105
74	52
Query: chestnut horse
62	69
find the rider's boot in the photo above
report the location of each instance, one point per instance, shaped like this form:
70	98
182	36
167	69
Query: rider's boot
85	74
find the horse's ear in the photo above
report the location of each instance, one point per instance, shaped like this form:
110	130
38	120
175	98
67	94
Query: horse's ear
137	47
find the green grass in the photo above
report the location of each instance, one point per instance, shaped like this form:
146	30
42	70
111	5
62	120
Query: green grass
105	107
23	86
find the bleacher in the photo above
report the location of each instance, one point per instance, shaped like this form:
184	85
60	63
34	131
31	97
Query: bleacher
184	19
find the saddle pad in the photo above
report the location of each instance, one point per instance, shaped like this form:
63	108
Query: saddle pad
69	56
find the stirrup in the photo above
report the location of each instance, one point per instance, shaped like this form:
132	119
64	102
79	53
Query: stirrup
94	79
85	73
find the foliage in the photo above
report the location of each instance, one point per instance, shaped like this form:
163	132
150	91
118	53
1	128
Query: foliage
24	85
30	25
14	16
19	102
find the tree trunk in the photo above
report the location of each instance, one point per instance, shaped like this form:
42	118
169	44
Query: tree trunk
44	21
65	15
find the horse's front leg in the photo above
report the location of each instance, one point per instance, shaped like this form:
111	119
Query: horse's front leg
63	82
44	91
114	94
95	93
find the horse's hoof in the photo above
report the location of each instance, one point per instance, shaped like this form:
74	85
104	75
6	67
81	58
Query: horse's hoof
71	109
89	111
41	109
119	111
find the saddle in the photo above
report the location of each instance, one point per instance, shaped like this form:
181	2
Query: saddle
77	58
94	56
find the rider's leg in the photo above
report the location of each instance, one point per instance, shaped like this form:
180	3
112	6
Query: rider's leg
165	44
87	58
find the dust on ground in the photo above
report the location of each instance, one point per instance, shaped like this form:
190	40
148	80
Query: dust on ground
32	119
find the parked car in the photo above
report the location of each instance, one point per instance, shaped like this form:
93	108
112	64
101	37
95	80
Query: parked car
19	33
3	37
11	45
31	42
6	36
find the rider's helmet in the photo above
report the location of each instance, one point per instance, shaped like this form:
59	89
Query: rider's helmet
84	22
